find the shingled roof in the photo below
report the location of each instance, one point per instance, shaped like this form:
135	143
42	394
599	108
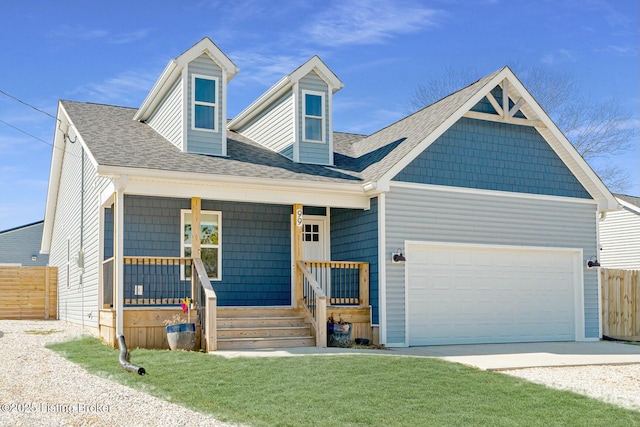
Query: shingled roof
115	139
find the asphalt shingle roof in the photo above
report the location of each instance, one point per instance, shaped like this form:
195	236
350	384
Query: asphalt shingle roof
115	139
632	200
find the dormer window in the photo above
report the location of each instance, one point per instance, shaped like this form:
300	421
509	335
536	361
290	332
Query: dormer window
313	108
204	103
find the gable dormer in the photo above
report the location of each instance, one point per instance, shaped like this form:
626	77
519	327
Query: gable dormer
187	105
294	117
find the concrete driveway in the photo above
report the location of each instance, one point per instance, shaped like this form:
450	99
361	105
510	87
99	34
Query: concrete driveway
484	356
530	355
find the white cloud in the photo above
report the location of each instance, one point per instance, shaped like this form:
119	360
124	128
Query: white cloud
83	33
127	88
369	22
558	56
264	66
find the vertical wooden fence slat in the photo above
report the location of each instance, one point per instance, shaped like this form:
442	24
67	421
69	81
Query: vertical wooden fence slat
620	291
27	292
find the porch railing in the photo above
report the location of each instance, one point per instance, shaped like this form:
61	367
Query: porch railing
343	282
205	301
314	303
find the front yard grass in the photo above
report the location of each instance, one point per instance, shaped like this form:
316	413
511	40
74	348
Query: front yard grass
351	390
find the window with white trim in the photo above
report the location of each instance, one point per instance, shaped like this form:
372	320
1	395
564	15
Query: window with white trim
210	241
313	108
204	92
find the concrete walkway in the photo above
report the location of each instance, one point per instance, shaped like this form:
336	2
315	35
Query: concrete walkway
485	356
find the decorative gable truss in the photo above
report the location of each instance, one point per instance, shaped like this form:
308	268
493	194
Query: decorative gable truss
512	108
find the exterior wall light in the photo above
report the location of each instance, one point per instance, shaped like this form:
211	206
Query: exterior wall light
397	256
593	262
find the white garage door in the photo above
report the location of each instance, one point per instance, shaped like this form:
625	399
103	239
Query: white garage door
461	294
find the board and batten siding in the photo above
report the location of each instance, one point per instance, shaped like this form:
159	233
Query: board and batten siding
620	240
167	120
312	152
198	141
77	289
418	213
273	128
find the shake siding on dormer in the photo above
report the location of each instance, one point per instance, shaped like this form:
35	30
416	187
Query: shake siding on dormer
202	141
274	127
167	119
314	152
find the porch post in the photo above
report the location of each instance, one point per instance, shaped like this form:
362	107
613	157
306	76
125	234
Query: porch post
297	253
195	243
195	227
118	254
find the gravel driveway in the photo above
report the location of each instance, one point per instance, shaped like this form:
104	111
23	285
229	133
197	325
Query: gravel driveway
40	388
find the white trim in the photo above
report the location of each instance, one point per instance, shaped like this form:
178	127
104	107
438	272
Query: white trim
219	245
326	235
118	259
214	104
247	190
296	123
598	256
465	190
304	116
628	205
382	269
578	278
223	113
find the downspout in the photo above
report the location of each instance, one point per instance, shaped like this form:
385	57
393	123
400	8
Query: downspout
124	358
81	253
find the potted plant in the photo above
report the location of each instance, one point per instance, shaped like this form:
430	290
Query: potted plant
338	332
181	333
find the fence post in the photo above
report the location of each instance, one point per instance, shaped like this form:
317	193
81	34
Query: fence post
46	293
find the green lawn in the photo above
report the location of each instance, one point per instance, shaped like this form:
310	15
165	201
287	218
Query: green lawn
345	390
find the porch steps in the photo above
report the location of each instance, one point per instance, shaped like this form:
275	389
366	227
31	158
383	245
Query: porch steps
262	327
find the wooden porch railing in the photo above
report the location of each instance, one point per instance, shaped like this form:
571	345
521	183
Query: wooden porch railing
205	301
314	303
343	282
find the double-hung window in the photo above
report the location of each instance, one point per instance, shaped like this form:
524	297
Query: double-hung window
313	108
204	103
210	241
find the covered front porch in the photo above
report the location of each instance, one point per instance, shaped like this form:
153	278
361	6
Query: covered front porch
237	302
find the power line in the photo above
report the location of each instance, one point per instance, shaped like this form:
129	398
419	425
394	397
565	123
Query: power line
39	139
26	103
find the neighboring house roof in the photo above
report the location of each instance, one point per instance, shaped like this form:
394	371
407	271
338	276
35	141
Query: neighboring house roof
19	245
630	202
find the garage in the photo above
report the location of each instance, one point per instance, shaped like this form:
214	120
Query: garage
469	294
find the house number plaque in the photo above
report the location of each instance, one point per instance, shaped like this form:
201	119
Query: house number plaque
299	217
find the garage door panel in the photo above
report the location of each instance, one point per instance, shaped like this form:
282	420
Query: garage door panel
472	294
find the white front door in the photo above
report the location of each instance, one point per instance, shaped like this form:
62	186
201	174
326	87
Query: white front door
314	246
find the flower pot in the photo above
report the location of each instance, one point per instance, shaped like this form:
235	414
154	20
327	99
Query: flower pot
181	336
339	334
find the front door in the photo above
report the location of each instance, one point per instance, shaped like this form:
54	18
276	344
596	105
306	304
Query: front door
315	247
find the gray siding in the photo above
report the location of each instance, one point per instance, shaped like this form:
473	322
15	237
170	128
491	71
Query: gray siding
19	245
274	127
493	156
311	152
354	237
620	240
78	293
167	120
202	141
443	216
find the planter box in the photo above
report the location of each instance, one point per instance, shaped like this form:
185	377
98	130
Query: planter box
181	336
339	335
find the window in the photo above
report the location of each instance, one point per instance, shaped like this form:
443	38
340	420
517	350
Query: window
204	90
313	107
210	241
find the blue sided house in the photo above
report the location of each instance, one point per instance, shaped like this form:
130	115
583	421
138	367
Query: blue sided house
20	246
469	221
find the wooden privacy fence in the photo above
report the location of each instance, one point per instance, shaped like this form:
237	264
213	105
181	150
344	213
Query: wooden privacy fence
28	292
620	303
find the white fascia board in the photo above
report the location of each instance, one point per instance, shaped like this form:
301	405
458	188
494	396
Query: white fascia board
256	107
628	205
316	64
206	46
57	157
159	90
218	187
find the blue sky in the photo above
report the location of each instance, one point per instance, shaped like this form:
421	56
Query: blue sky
112	52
